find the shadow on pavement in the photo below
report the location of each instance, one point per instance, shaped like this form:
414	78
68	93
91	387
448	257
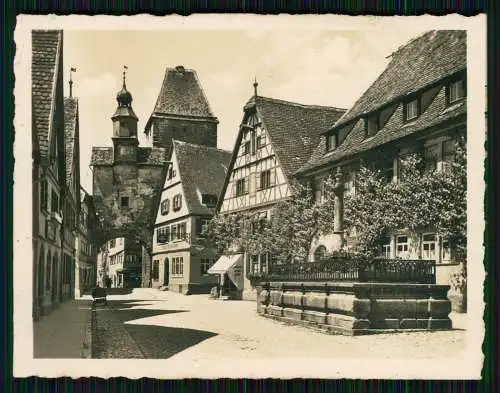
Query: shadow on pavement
117	304
116	339
160	342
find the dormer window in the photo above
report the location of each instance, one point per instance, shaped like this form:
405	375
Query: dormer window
412	109
456	91
372	125
209	200
331	142
165	207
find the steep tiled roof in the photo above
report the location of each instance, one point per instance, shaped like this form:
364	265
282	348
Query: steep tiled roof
70	117
422	61
395	129
145	155
202	170
181	94
45	57
294	129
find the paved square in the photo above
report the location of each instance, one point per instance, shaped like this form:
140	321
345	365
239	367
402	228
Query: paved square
148	323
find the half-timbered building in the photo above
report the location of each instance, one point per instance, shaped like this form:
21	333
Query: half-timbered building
70	201
181	254
417	104
49	168
275	139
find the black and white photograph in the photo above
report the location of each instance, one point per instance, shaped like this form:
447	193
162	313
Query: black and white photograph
249	196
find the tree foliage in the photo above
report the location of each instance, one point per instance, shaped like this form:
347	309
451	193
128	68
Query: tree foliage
287	234
421	199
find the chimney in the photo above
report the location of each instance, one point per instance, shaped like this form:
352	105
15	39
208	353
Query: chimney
180	69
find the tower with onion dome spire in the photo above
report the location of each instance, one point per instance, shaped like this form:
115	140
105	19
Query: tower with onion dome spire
125	140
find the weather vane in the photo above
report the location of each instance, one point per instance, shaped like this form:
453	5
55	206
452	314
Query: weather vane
71	70
125	68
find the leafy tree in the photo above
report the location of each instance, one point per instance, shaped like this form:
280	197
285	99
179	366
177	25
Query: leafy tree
287	234
420	199
365	211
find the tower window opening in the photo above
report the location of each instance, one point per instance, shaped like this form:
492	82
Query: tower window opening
124	201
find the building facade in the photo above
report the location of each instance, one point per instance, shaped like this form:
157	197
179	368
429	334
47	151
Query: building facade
49	169
275	139
181	254
71	199
417	105
127	180
86	263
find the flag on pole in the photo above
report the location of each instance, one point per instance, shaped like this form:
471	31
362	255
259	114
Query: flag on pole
125	67
73	69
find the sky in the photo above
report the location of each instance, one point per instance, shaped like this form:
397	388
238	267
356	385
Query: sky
322	67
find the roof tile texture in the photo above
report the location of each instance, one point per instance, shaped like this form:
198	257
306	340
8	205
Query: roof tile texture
294	129
202	170
423	62
181	94
45	58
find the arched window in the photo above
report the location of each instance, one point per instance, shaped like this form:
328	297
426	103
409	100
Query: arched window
47	270
320	253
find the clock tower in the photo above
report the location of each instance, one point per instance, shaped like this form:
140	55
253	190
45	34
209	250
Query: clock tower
124	138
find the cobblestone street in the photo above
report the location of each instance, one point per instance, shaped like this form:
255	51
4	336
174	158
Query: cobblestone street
195	328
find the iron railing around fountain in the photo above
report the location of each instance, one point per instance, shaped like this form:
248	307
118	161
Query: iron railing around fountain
352	269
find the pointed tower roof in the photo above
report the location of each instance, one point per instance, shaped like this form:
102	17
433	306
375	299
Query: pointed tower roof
181	95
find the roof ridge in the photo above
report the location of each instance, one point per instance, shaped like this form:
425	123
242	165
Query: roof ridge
416	44
210	111
202	146
412	40
309	106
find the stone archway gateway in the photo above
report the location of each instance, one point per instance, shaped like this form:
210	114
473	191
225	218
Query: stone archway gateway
141	235
127	181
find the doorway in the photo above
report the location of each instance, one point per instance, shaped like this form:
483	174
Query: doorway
165	272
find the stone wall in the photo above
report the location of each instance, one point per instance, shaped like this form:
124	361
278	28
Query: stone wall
141	184
357	308
199	132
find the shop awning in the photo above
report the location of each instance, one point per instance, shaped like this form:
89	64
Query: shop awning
224	263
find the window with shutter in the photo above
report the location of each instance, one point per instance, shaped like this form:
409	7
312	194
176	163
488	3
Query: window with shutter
177	203
165	206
